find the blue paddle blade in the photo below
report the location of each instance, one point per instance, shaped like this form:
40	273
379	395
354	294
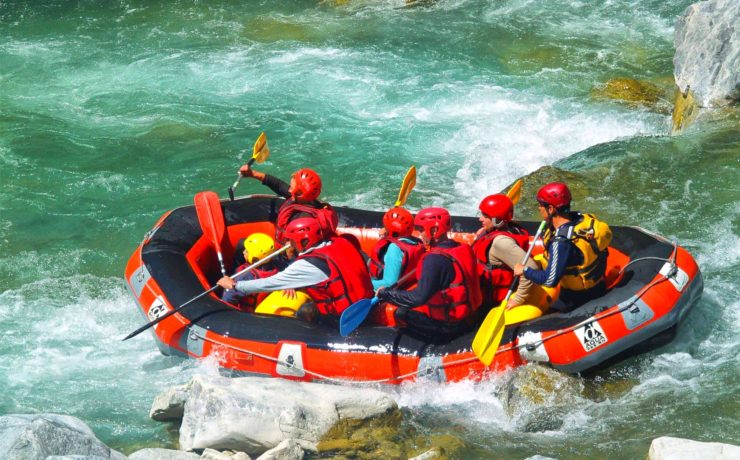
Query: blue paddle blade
354	315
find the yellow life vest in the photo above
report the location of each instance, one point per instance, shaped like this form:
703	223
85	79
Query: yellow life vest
592	237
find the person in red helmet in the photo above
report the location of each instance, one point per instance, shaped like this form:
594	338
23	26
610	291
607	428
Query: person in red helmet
302	198
397	252
576	249
444	302
330	270
499	245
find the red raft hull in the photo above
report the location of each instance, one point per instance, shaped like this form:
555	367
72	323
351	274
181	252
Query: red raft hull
658	284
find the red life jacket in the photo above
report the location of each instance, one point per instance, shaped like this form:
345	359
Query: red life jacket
250	301
321	211
349	280
496	280
462	297
411	256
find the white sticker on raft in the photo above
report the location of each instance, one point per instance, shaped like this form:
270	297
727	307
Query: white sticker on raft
290	360
591	335
531	347
156	309
677	279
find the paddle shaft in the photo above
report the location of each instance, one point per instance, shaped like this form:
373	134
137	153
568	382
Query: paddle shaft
526	257
239	178
170	313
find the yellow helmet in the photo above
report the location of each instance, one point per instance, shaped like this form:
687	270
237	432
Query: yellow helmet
257	246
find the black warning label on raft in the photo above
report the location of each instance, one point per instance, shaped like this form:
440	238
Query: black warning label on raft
591	335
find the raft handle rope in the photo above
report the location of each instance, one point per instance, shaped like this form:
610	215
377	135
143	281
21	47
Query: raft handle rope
425	371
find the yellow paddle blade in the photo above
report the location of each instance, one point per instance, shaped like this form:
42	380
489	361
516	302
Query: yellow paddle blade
515	192
409	181
261	151
488	337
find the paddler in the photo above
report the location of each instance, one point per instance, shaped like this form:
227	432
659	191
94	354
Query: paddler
397	252
576	249
330	270
443	304
302	198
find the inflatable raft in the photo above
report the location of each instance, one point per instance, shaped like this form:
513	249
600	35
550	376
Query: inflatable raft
653	284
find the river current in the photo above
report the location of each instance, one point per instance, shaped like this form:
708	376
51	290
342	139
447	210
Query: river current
113	112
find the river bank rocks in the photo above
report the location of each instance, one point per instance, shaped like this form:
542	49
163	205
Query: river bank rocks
707	58
254	415
38	436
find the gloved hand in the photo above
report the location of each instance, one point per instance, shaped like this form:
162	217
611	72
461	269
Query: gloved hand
383	294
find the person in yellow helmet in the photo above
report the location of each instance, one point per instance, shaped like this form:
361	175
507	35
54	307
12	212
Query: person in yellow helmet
255	247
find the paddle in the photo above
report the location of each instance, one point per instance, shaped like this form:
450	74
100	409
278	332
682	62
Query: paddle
515	192
409	181
488	337
260	153
211	219
170	313
356	313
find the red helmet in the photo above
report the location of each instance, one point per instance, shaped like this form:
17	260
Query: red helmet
303	233
498	207
555	194
433	222
307	185
398	222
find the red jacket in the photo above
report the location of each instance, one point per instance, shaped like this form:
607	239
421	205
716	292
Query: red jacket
495	281
462	298
349	280
323	212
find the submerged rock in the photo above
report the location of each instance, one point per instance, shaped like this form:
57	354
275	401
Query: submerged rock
32	436
634	93
668	448
537	398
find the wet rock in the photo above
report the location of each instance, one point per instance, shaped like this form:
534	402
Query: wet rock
537	398
170	404
707	55
668	448
26	436
431	454
633	93
162	454
254	414
212	454
289	449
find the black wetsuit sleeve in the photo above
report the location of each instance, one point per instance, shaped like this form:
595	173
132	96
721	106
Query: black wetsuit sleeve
278	186
437	273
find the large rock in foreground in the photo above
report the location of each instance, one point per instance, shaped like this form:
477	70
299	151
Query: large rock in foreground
668	448
255	414
38	436
707	59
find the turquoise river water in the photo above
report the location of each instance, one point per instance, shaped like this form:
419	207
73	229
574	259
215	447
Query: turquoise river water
112	112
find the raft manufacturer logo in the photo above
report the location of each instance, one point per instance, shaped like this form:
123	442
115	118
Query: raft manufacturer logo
591	335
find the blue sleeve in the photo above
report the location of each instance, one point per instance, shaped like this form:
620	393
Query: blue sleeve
559	253
392	261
